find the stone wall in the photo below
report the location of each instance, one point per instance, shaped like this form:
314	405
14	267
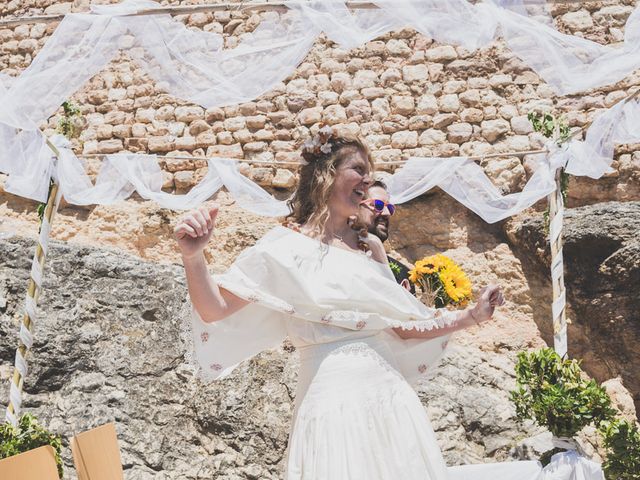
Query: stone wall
405	94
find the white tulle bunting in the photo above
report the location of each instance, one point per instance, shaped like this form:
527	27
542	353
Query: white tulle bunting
194	65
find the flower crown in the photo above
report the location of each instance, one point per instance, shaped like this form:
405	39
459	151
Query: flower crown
319	144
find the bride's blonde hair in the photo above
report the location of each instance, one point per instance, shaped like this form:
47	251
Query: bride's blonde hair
309	203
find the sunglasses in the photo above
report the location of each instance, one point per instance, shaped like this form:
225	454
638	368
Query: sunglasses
378	205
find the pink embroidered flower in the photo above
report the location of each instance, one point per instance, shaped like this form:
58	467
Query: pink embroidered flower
422	368
361	324
325	319
216	367
204	336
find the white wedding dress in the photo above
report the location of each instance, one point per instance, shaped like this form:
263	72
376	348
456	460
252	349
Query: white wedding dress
356	415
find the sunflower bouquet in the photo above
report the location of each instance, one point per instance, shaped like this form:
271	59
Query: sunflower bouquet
441	281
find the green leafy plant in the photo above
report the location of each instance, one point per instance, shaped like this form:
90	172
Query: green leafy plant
622	444
550	126
552	392
395	268
27	436
72	122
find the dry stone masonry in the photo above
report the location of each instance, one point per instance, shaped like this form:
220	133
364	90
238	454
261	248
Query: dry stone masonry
403	93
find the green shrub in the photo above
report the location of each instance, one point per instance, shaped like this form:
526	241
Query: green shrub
27	436
552	392
622	443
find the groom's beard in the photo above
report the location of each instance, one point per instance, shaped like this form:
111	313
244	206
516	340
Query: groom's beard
380	228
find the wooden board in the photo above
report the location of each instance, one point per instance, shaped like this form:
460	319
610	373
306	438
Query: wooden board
36	464
96	454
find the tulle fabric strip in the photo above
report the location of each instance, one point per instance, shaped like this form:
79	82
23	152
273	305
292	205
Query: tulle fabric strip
195	66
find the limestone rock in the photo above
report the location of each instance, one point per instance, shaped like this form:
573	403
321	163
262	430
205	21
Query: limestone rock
459	132
188	114
613	15
110	146
283	179
602	259
333	114
415	73
404	140
443	53
402	105
310	116
184	180
432	137
262	176
493	129
579	20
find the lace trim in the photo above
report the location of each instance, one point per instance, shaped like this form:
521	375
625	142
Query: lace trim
360	320
364	349
186	337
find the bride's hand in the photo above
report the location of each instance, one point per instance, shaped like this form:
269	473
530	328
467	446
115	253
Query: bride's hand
194	230
490	298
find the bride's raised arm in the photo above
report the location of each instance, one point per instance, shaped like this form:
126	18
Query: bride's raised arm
490	297
193	232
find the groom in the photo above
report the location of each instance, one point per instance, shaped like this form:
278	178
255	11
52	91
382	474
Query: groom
377	221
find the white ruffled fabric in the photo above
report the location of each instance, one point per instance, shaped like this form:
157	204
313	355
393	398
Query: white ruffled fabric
357	417
314	293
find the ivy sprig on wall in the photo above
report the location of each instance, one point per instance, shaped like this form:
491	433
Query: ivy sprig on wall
557	128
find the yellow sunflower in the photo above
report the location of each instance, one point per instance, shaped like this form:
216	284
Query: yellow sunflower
456	284
414	275
424	267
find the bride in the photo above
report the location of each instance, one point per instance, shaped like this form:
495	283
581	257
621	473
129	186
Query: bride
325	283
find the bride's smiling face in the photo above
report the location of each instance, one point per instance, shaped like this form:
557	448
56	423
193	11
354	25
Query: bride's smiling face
351	182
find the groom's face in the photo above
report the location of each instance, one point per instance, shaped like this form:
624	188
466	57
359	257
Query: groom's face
377	222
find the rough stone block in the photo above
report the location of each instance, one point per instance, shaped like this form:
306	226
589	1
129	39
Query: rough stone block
406	139
110	146
443	53
471	115
402	104
184	180
449	103
198	126
521	125
415	73
161	144
206	139
256	122
231	151
364	79
432	137
309	116
214	114
443	120
370	93
234	124
459	132
283	179
186	143
493	129
262	176
188	114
